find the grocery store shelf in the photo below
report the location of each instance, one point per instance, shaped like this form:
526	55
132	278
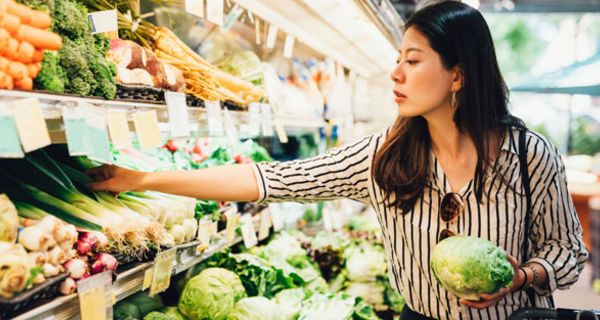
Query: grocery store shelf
130	281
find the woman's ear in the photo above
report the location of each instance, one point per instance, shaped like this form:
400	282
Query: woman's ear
457	78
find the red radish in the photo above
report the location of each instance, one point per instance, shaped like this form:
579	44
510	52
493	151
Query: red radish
107	261
67	286
83	248
88	237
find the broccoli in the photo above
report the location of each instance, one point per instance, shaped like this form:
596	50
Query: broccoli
52	76
70	19
43	5
73	59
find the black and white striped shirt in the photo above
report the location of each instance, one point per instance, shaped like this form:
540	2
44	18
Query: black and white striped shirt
555	234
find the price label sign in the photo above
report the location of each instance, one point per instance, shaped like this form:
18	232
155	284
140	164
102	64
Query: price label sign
76	131
233	221
214	11
248	231
95	119
95	296
146	127
281	133
265	225
215	118
103	21
254	119
233	15
257	34
195	7
10	145
147	278
272	36
30	123
119	129
278	219
204	234
327	220
178	114
267	119
288	47
230	129
163	268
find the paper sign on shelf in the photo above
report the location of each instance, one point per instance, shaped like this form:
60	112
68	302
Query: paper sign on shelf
204	234
10	145
277	218
265	224
95	296
76	131
327	220
163	268
146	127
215	118
230	129
95	119
103	21
257	33
195	7
233	15
147	278
272	36
233	221
248	231
214	11
281	134
119	129
178	114
30	123
288	47
254	119
267	120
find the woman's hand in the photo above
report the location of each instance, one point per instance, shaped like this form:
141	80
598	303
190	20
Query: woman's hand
116	179
487	300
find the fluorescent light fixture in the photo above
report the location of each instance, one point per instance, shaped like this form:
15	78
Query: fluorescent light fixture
472	3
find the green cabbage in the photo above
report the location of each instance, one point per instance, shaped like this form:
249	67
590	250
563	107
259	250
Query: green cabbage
371	292
290	303
211	294
365	262
331	307
469	266
255	308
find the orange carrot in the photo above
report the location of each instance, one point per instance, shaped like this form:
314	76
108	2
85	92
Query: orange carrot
11	23
23	12
4	36
41	39
25	52
40	19
33	70
38	55
6	82
4	64
10	50
17	70
24	84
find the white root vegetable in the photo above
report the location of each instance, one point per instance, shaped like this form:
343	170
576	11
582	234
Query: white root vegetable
67	286
76	267
65	235
37	258
48	224
57	256
50	270
35	239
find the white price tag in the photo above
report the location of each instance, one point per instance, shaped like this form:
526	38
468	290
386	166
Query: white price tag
10	145
103	21
163	268
215	118
281	134
214	11
204	234
119	129
267	120
230	129
265	224
30	123
327	220
95	119
278	220
254	119
288	47
178	114
195	7
95	296
248	231
233	221
272	36
257	31
146	127
233	15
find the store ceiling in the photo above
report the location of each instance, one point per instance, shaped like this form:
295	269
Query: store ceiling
406	7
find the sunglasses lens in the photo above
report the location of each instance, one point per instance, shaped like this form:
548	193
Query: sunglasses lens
444	234
451	206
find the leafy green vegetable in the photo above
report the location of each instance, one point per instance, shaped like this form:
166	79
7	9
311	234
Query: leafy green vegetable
211	294
365	262
255	308
371	292
392	298
327	307
468	266
155	315
145	303
174	311
290	303
52	77
363	310
70	19
125	310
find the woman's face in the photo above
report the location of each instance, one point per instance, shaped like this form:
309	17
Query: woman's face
421	83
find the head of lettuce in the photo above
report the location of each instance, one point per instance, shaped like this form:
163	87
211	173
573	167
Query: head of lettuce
469	266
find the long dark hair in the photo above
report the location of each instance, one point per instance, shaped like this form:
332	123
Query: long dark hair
460	35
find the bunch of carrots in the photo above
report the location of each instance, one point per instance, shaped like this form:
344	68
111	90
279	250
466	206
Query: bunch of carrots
24	37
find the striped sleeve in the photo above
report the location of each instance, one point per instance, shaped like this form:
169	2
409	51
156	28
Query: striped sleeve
341	173
557	233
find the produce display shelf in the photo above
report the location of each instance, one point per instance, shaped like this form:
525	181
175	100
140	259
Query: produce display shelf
129	281
51	108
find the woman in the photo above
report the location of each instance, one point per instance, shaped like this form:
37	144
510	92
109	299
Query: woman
454	146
